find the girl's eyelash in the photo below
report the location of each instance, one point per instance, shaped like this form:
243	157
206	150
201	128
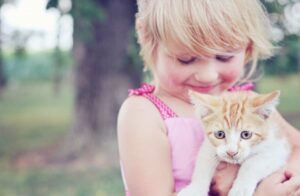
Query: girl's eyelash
192	59
188	61
224	58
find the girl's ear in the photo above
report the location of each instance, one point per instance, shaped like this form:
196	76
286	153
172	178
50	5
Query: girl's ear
249	52
204	104
265	104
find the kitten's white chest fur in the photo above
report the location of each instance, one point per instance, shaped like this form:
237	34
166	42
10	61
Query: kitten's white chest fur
259	153
266	158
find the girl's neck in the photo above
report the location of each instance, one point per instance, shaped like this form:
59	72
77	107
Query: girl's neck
180	105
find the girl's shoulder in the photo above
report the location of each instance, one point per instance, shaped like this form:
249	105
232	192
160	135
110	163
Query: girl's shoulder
138	105
138	114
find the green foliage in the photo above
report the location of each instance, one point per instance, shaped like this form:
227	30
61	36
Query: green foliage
286	57
85	16
276	6
133	58
285	60
37	66
133	51
52	4
273	6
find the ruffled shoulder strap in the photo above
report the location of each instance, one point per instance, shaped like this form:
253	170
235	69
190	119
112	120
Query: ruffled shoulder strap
146	90
243	87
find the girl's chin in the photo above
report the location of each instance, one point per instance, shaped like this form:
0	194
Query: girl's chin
211	91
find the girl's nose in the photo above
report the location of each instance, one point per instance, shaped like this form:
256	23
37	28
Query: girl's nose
208	75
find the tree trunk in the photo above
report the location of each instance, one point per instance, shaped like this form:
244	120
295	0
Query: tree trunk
101	75
298	56
58	59
2	74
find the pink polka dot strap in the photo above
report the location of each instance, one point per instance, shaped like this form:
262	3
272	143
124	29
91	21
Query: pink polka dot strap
244	87
146	91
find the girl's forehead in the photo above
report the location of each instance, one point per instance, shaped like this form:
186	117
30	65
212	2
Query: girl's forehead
200	44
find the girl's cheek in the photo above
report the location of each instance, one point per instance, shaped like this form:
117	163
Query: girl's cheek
233	74
235	68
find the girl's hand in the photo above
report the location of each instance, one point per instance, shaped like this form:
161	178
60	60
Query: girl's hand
281	183
223	179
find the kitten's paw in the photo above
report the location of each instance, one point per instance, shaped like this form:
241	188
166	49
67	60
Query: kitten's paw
241	191
192	191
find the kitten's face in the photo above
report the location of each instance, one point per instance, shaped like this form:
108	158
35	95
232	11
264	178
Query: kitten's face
236	122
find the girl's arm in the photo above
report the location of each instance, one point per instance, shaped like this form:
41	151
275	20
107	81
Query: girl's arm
144	149
293	136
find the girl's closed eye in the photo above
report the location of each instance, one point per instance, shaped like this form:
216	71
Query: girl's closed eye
186	60
224	58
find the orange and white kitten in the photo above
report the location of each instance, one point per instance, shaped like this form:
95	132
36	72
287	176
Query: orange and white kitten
239	129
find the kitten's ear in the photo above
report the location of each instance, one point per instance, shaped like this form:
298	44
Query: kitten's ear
265	104
204	104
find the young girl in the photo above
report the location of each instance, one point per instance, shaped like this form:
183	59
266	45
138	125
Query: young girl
209	46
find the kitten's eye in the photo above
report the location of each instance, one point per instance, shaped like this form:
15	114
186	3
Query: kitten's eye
187	60
223	58
246	135
220	134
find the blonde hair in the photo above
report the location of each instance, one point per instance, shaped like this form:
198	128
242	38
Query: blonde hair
204	27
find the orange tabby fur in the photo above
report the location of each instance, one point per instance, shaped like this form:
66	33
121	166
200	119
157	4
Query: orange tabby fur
237	110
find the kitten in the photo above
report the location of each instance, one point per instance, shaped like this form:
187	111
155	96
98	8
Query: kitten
239	129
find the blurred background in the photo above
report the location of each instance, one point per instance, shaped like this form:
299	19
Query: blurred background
65	67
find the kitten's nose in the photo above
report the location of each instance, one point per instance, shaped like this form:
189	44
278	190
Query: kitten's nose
231	153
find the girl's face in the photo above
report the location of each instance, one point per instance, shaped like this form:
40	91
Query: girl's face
177	73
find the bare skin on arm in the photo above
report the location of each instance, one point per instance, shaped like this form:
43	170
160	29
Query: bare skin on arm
144	149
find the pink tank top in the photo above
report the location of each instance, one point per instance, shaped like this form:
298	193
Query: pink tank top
185	136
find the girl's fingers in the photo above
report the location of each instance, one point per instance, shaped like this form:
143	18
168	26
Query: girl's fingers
288	174
293	184
279	177
222	165
296	193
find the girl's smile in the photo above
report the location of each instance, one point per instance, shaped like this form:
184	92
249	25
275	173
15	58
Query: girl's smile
204	88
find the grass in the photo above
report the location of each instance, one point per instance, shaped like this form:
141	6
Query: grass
33	118
37	182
